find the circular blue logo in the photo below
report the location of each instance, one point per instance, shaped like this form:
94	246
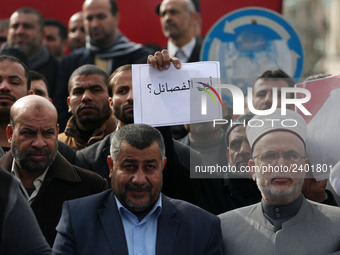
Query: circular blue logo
249	41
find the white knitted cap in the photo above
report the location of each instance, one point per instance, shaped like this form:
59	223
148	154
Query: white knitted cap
261	125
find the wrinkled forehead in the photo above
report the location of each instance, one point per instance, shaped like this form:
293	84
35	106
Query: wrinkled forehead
23	111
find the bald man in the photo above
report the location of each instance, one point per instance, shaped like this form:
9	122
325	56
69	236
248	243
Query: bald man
76	32
46	178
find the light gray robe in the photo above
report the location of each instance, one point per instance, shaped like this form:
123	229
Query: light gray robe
315	229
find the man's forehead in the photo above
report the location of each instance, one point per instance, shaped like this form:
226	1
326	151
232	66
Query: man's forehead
123	78
269	83
51	29
13	68
238	131
96	6
75	18
33	119
129	151
126	75
172	4
39	84
30	18
87	80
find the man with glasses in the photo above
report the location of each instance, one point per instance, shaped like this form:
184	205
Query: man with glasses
284	222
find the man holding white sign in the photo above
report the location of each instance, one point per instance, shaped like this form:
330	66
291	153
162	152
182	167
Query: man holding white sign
176	175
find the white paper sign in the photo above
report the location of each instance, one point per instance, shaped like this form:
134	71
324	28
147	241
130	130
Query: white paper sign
175	96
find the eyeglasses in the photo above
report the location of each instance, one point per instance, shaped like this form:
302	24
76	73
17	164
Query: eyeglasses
272	156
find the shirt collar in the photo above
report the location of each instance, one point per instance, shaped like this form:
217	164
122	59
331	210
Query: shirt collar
283	211
156	209
37	182
187	48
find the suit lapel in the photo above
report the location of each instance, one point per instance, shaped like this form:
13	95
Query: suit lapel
112	225
195	54
167	228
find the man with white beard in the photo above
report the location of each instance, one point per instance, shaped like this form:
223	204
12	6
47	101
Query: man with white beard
284	222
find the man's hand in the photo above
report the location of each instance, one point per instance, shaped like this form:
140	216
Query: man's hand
161	60
314	190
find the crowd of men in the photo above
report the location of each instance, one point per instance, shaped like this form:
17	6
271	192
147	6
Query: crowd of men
79	177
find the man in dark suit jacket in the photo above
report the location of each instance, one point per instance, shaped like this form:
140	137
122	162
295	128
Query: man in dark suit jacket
181	22
107	49
206	193
47	179
26	33
19	230
116	222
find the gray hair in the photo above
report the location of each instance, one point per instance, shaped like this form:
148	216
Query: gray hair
139	136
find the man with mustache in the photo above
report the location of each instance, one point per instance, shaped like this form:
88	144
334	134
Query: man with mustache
206	193
106	47
26	31
92	118
262	96
242	188
76	32
135	217
284	222
14	84
181	24
46	178
179	20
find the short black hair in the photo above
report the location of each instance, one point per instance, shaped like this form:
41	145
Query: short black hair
241	120
16	60
114	7
36	76
276	74
58	24
139	136
86	70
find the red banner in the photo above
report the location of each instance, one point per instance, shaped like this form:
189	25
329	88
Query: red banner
138	20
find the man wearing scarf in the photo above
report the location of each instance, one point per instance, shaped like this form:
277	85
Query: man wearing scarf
106	48
26	34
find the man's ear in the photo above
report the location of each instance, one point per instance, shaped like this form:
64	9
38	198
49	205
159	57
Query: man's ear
117	18
225	110
57	129
110	164
251	164
227	154
9	132
307	160
68	104
195	18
